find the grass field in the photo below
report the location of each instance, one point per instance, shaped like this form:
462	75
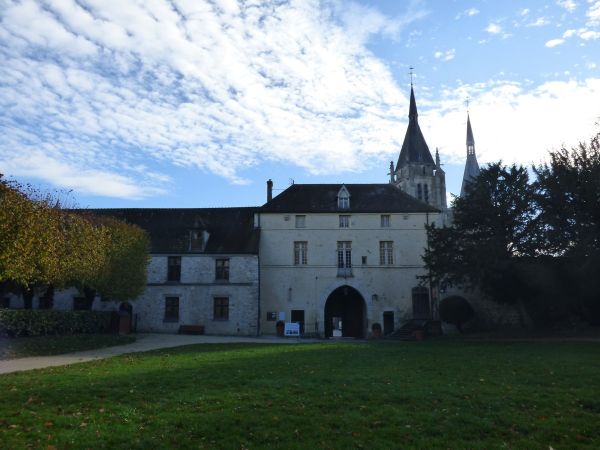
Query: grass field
433	394
55	345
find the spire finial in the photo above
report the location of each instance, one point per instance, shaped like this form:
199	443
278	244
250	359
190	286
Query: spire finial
467	102
411	73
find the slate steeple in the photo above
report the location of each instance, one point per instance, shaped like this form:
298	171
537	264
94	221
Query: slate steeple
414	148
471	165
416	172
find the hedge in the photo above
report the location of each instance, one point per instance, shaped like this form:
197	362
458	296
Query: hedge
36	322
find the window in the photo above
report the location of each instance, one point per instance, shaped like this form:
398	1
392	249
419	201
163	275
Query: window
172	309
196	241
222	269
344	254
343	202
271	316
174	268
344	221
385	221
386	253
5	302
221	308
426	192
300	221
419	191
300	253
364	260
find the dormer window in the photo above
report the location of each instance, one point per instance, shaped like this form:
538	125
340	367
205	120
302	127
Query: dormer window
343	198
197	240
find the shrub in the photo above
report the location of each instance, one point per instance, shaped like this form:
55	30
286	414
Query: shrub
456	310
29	322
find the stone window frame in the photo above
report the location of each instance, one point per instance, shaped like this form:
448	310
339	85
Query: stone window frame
386	253
344	221
172	308
174	268
300	221
385	221
300	253
222	269
221	307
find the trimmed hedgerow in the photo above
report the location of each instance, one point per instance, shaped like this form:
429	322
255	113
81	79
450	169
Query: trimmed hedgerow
35	322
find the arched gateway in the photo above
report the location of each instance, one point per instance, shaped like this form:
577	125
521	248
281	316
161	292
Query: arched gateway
345	313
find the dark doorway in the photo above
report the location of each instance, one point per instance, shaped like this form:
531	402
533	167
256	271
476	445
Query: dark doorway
388	322
346	307
298	317
420	301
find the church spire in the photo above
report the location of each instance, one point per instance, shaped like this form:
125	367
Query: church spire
414	149
471	165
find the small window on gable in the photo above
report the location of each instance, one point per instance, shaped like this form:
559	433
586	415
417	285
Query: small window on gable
426	192
343	198
344	221
300	221
385	221
419	191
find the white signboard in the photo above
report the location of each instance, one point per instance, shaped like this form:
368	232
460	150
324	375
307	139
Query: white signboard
281	315
292	329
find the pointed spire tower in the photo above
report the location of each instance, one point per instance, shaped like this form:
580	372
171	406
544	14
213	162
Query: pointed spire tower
471	166
416	172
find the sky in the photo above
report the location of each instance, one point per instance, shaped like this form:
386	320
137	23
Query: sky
192	103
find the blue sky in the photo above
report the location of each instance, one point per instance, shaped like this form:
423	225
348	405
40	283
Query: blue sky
190	103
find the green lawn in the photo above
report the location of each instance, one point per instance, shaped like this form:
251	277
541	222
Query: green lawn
55	345
433	394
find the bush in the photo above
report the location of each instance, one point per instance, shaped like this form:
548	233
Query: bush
29	322
456	310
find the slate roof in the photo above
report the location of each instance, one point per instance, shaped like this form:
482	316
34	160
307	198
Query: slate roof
414	148
364	198
231	230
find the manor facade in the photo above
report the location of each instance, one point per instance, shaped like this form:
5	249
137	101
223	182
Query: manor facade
334	258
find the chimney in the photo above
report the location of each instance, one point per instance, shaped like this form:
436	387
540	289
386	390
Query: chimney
269	190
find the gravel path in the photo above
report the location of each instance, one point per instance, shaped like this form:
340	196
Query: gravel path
144	342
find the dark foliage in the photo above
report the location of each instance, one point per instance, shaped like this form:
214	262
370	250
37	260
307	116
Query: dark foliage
29	322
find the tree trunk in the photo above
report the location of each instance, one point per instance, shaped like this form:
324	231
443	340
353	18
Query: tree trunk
28	297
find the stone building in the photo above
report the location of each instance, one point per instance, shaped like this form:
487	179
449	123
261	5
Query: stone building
203	271
338	258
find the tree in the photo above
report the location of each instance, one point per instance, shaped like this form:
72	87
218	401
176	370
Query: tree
568	194
494	223
123	275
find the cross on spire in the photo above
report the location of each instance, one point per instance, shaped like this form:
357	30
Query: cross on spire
467	101
411	73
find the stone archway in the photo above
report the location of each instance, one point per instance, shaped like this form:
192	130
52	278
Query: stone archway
345	313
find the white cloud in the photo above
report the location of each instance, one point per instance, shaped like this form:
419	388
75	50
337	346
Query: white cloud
569	5
493	28
539	22
588	35
591	65
512	122
569	33
593	13
448	55
554	42
524	12
467	13
91	92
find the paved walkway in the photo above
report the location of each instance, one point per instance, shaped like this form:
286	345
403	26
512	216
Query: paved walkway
144	342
